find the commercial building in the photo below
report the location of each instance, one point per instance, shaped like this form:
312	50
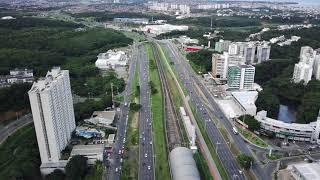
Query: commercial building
187	40
163	28
182	164
116	60
131	20
111	59
263	53
53	116
241	77
305	171
293	131
92	152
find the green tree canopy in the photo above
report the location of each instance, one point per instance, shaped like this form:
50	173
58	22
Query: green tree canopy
252	123
57	174
77	167
244	161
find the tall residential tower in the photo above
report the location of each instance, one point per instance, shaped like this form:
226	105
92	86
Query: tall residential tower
53	115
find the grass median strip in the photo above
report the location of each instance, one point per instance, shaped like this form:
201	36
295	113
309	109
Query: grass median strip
160	150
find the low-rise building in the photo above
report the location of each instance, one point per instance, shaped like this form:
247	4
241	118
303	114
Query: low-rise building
293	131
92	152
17	76
305	171
102	118
163	28
110	139
245	100
116	60
131	20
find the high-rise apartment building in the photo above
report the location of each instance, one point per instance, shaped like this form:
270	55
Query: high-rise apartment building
53	115
302	71
241	77
222	46
219	65
249	53
263	53
307	66
233	49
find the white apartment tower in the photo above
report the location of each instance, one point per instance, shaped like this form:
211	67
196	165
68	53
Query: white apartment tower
307	64
301	72
219	65
249	53
263	53
241	77
53	115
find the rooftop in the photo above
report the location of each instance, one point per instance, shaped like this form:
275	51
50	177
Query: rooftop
87	149
309	171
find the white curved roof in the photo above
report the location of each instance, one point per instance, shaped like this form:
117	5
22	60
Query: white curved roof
183	166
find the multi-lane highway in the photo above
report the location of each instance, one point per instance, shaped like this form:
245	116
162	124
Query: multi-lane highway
14	126
211	129
186	75
114	170
146	157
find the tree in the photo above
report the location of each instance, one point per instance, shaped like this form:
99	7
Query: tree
252	123
77	167
244	161
57	174
135	107
269	102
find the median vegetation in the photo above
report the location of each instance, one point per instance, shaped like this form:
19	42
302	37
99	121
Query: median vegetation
160	150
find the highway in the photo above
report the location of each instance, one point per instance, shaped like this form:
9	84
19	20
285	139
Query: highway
211	129
14	126
114	170
146	156
186	75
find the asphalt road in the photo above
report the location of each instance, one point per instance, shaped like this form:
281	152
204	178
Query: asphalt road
223	150
114	170
186	75
146	156
13	126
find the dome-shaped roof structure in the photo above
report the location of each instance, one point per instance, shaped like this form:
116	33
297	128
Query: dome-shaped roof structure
182	164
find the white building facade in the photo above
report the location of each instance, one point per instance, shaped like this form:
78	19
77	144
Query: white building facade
53	115
263	53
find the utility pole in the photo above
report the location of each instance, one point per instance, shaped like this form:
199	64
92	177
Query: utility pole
113	106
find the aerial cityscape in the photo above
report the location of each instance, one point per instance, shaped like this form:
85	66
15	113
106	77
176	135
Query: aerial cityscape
159	90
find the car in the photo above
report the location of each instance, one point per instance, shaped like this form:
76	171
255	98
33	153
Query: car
119	152
145	155
117	169
121	160
150	142
149	167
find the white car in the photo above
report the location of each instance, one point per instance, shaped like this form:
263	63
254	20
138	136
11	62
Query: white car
149	167
145	155
117	169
